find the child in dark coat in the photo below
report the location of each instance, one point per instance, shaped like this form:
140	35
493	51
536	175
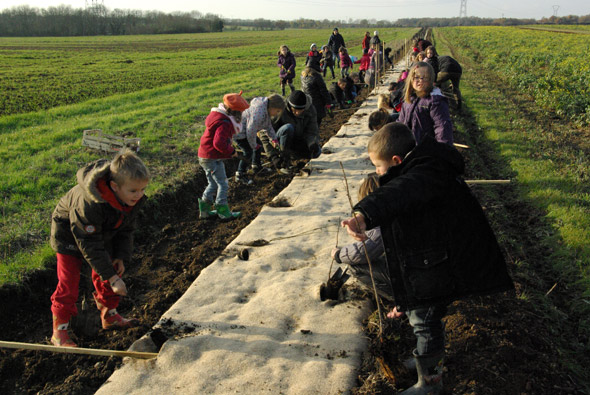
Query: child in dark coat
221	124
94	222
314	58
327	60
313	85
439	246
286	65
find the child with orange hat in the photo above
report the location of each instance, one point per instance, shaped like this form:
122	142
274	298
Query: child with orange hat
221	125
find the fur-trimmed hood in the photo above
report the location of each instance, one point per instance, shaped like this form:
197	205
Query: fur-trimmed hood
88	177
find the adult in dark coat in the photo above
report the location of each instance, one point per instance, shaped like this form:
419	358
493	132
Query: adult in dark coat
335	42
313	85
297	129
450	70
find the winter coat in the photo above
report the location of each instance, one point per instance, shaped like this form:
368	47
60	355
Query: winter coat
345	60
375	40
428	116
354	254
306	126
438	242
366	42
434	63
422	44
314	86
255	119
335	42
313	60
287	65
449	65
342	96
365	61
327	58
216	141
89	222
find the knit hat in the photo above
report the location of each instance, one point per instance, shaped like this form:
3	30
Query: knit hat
311	46
335	29
235	101
297	100
376	32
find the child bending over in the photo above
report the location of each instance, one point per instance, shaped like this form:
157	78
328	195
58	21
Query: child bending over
216	146
93	223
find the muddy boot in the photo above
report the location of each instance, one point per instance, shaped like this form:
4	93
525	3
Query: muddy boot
430	369
113	320
205	209
283	89
225	214
60	335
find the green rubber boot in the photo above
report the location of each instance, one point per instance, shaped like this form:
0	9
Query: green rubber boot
224	213
430	370
205	209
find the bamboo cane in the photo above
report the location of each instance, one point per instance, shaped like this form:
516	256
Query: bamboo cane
78	350
460	145
487	181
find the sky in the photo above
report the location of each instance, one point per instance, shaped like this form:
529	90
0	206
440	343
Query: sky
338	10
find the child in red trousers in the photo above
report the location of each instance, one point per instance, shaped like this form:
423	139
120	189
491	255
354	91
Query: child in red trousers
94	222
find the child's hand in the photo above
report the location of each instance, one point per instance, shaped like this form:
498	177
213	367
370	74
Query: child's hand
355	227
119	267
118	285
394	313
334	252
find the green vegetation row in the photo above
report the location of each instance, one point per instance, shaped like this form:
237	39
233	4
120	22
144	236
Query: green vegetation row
537	62
548	162
41	151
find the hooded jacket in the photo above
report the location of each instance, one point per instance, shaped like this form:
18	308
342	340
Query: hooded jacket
287	64
89	221
438	242
428	116
314	86
306	126
216	141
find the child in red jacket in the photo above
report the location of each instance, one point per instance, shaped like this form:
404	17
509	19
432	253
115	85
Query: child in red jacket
216	145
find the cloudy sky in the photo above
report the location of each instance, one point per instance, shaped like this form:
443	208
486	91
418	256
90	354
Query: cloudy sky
339	9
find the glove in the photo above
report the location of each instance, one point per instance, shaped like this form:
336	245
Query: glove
275	143
118	285
329	110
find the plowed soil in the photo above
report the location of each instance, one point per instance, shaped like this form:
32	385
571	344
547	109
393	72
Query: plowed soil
496	345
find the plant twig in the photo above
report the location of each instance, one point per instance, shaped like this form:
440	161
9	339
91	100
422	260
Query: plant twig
366	254
332	263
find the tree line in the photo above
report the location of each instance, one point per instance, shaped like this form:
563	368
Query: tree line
25	21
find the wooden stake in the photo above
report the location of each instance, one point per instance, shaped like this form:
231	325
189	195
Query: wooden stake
78	350
366	255
460	145
487	181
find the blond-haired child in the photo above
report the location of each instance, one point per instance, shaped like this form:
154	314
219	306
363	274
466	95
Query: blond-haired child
94	222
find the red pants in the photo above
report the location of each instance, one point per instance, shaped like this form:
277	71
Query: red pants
63	300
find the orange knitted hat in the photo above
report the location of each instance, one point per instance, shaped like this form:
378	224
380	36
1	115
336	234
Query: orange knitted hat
235	101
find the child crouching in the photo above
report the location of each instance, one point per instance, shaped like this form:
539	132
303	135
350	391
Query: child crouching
94	222
216	145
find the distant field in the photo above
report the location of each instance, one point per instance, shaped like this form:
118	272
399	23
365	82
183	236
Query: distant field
41	73
158	88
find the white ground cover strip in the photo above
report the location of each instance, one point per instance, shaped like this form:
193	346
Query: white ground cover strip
259	325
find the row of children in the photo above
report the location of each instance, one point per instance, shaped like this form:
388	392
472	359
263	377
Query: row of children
421	237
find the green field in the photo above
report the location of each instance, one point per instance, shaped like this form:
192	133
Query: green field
157	88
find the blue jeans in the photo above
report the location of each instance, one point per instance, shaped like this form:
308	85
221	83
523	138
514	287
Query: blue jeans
428	328
217	186
253	155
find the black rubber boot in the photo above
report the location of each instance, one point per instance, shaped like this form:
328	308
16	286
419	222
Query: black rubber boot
430	369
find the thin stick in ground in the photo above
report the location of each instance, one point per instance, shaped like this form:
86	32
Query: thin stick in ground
366	254
332	263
